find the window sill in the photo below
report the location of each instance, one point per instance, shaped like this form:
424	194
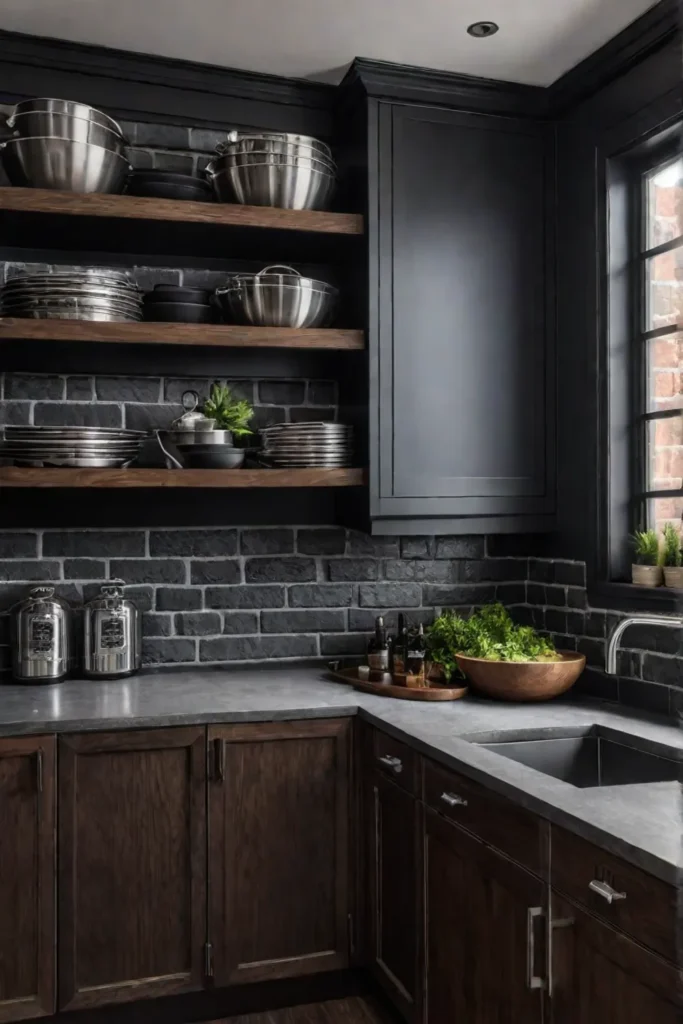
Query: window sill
629	598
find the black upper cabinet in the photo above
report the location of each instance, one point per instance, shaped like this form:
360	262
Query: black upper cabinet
461	329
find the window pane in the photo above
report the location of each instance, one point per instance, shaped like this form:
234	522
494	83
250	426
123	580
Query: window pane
664	204
664	290
665	510
665	373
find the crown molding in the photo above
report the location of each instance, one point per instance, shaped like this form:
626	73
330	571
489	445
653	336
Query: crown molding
62	56
406	83
655	29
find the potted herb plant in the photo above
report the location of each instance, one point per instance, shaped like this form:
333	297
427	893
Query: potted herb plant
646	570
673	560
228	412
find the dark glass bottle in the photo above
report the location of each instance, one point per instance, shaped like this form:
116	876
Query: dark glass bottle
378	652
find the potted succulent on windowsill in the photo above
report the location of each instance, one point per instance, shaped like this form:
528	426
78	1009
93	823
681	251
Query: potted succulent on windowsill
646	570
673	560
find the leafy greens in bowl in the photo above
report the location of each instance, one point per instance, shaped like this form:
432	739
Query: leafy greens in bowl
488	633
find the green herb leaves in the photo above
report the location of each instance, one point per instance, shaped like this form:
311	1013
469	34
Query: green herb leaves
228	412
488	633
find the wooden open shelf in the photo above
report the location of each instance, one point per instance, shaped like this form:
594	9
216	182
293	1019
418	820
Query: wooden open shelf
214	335
18	476
39	200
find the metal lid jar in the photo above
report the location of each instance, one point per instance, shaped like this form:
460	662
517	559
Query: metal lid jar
112	634
41	637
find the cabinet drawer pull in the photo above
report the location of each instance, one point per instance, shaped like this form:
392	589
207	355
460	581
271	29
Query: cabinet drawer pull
394	763
453	800
533	980
605	890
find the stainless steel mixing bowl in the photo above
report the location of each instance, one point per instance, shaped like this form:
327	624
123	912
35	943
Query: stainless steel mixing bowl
274	142
63	164
288	186
269	299
44	124
69	107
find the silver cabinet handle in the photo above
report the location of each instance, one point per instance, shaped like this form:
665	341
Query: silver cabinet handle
453	800
533	980
395	763
605	890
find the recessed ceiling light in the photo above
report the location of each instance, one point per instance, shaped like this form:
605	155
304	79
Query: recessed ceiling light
483	29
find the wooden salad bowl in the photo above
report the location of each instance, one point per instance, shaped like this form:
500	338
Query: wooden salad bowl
523	680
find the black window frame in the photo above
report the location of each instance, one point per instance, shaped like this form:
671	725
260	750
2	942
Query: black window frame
642	169
620	388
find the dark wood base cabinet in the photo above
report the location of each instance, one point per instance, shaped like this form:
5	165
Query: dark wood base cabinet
279	849
132	865
27	877
601	976
484	922
394	873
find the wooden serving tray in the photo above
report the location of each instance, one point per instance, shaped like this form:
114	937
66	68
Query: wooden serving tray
435	691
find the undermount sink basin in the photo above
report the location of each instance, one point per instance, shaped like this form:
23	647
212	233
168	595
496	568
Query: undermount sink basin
590	760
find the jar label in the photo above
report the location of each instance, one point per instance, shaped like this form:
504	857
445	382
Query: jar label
42	639
112	633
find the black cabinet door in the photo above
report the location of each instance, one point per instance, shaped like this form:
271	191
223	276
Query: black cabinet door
461	333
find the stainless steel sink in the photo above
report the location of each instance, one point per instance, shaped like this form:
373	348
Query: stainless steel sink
592	759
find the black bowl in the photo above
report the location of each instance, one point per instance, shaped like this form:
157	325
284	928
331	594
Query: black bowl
180	312
160	190
174	293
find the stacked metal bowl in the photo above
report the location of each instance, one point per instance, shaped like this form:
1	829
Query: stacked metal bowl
278	296
79	447
64	145
83	294
298	445
294	172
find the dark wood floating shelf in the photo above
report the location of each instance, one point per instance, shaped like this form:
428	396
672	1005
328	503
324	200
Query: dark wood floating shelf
40	200
18	476
213	335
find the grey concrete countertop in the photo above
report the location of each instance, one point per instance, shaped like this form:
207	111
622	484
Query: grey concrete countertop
642	823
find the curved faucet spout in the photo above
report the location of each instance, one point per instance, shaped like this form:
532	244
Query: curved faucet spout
673	621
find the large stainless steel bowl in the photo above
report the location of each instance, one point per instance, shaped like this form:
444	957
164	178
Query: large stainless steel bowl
287	186
277	153
269	299
274	142
44	124
63	164
68	107
236	159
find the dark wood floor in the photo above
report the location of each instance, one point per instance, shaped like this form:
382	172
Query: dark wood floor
336	1011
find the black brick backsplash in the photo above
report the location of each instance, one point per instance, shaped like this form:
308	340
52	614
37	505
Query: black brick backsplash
244	594
147	403
650	663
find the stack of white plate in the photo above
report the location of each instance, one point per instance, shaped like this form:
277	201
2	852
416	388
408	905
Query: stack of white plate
298	445
80	447
83	294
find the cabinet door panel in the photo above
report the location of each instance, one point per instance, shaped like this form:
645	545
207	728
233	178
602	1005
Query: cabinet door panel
279	850
600	976
482	944
132	851
394	874
27	877
464	353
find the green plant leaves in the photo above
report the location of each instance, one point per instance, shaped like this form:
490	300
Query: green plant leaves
228	412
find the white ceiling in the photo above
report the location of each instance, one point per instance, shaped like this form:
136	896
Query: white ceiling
537	42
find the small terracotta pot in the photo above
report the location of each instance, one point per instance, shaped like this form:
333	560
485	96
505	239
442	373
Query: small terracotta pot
646	575
673	576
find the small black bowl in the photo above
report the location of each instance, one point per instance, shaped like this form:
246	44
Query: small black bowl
180	312
175	293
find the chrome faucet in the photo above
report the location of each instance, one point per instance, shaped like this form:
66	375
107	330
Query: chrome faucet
675	621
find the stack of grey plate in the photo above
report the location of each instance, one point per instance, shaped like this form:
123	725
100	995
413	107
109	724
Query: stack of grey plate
83	294
80	447
299	445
